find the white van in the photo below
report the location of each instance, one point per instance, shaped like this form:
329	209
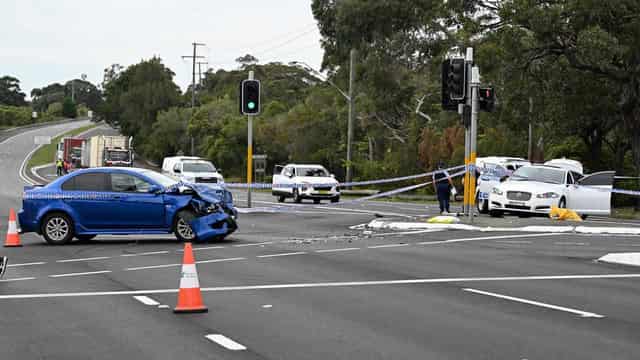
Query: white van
300	181
191	169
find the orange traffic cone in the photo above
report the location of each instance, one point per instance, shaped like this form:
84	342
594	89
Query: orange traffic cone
13	239
189	297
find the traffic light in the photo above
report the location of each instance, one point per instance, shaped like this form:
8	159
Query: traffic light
487	99
456	79
447	103
250	97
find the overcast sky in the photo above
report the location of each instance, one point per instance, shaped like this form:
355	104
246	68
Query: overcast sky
45	41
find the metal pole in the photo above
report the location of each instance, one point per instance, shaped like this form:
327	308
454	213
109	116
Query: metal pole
467	136
530	147
73	90
351	112
475	84
249	152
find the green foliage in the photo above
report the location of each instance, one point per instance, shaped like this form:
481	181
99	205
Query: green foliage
10	93
55	109
169	134
69	109
14	116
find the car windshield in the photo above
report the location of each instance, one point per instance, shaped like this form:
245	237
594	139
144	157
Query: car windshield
163	180
541	174
115	155
198	167
308	171
494	170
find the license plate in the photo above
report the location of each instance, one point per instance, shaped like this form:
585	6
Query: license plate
322	192
519	203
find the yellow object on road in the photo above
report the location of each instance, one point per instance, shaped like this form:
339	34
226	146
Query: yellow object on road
557	213
443	219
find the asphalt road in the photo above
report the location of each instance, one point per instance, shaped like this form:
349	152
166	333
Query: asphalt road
297	282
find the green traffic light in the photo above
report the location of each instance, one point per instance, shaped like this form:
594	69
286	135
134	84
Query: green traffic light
251	105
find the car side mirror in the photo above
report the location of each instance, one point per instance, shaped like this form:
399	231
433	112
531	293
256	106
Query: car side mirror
155	189
177	171
504	178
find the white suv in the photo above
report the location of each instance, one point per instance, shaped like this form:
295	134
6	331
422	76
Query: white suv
191	169
300	181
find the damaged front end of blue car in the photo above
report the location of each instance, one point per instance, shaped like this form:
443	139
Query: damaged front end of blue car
216	217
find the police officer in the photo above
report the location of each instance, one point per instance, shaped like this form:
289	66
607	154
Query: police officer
59	166
442	187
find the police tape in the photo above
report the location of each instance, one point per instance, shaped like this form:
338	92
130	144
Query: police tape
331	185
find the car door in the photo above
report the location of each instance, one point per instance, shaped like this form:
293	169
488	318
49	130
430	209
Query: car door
88	196
138	207
591	195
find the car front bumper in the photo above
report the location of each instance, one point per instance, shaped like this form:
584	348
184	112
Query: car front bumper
533	205
218	224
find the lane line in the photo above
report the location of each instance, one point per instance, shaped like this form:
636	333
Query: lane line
512	241
80	274
146	300
570	243
386	246
151	267
17	279
225	342
85	259
146	253
205	248
488	238
282	254
337	250
254	244
328	284
536	303
27	264
220	260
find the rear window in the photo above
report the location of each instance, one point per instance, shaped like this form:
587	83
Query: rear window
87	182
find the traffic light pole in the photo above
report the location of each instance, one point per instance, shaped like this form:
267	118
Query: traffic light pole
466	208
249	152
474	84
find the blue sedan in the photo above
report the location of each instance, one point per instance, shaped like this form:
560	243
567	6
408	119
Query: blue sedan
121	201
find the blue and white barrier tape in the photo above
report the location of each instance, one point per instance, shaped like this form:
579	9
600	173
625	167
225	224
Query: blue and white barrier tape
354	183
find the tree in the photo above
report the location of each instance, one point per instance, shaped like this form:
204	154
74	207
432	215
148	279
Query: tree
10	93
247	60
168	134
69	109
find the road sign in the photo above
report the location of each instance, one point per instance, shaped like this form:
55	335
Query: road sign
90	114
34	115
42	140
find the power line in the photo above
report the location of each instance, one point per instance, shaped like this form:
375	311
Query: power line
285	42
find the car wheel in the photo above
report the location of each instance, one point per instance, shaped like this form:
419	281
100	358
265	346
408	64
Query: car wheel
296	196
495	213
57	229
85	237
182	227
280	199
563	203
335	199
482	205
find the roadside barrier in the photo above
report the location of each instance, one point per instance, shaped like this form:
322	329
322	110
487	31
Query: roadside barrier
12	239
189	296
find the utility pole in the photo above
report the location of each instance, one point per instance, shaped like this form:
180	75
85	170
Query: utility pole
530	147
352	56
193	84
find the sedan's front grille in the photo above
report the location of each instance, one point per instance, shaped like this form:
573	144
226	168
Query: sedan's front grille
518	195
322	188
209	180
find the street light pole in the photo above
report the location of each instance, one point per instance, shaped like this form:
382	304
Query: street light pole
352	56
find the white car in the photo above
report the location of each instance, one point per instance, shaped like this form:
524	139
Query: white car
300	181
191	169
535	189
493	170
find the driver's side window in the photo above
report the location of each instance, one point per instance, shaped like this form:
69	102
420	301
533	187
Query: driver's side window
128	183
176	168
569	179
288	171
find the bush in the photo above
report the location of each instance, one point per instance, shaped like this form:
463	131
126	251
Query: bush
14	116
69	109
54	109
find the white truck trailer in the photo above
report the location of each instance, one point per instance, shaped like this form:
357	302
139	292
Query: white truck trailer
104	150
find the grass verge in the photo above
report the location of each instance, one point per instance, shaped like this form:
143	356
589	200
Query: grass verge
46	153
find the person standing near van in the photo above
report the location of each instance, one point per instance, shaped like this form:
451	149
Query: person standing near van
442	184
59	166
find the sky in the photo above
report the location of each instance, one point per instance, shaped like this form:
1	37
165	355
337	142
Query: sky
43	41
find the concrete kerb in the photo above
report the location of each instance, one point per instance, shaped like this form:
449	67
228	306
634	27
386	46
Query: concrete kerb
405	226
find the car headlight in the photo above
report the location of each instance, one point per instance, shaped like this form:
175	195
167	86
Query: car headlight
496	191
548	195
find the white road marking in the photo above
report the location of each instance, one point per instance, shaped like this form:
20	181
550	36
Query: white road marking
282	254
146	300
151	267
536	303
17	279
85	259
163	306
267	306
27	264
254	244
146	253
225	342
407	232
329	284
205	248
571	243
80	274
616	245
220	260
488	238
512	241
386	246
337	250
